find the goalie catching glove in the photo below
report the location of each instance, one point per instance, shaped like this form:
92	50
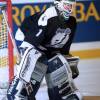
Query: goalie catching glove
73	63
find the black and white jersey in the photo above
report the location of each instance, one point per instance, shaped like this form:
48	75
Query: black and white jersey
49	32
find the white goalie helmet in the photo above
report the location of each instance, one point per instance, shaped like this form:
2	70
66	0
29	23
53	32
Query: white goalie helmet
64	7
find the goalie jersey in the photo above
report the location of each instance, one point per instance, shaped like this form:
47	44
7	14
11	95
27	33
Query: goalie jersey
48	31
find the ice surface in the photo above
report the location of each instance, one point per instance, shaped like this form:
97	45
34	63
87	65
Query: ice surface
88	81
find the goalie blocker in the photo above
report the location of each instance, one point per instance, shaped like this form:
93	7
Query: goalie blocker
30	73
59	80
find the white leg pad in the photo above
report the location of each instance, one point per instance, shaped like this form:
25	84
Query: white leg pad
28	63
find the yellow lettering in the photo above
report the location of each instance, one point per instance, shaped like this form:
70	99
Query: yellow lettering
74	10
15	15
37	9
80	12
92	12
19	14
24	9
44	7
0	19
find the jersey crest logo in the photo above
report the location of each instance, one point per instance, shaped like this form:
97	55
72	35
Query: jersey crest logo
60	38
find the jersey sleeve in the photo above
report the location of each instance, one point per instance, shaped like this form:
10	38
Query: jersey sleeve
34	34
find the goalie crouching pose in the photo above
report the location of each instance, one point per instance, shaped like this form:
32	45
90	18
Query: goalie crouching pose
47	37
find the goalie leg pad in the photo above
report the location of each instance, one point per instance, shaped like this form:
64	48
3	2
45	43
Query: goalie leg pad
27	63
59	78
16	90
36	78
31	69
58	71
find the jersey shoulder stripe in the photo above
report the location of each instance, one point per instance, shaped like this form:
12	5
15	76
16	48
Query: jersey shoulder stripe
49	13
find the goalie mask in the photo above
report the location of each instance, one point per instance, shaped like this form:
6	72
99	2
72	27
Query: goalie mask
64	7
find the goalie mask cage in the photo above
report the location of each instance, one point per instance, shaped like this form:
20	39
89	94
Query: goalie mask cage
6	46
